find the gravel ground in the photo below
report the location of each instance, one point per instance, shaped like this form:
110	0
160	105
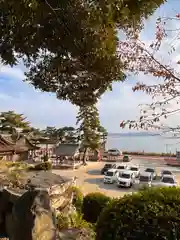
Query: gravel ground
90	179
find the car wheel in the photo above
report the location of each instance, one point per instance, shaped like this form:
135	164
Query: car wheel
130	185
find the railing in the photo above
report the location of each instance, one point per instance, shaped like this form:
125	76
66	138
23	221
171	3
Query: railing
58	162
112	158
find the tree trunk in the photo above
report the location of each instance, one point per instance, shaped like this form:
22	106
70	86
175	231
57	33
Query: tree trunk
84	155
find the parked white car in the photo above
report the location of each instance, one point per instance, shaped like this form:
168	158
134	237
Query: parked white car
110	176
125	179
145	180
122	167
166	181
135	170
166	172
113	152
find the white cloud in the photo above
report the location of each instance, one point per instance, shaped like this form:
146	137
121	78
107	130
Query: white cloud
43	109
12	72
4	97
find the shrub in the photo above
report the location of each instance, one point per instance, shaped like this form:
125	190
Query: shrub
63	221
42	166
73	220
93	204
148	214
77	199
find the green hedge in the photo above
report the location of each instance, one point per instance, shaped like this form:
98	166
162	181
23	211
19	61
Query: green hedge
77	199
151	214
41	166
93	204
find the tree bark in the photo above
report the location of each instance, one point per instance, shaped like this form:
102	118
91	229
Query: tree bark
84	155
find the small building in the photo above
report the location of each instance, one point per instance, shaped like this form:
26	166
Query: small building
15	150
70	150
45	146
25	147
67	154
94	154
6	149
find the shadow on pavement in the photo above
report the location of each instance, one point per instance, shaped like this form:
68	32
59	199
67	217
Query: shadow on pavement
94	172
99	182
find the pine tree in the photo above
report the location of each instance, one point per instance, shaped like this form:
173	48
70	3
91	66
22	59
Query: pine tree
90	130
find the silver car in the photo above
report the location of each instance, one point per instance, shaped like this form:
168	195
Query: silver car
152	171
166	172
145	180
166	181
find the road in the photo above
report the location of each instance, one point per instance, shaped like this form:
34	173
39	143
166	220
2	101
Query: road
90	179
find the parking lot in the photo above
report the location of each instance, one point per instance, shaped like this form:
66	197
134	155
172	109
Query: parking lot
89	178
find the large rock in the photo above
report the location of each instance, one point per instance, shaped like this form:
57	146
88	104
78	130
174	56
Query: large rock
32	218
58	188
5	208
26	211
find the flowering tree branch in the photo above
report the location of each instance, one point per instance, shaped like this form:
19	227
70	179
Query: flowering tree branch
165	90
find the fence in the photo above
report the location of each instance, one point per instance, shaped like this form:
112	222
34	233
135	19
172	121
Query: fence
66	163
58	163
112	158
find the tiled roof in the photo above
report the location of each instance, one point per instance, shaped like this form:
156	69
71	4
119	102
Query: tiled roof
22	145
42	140
66	149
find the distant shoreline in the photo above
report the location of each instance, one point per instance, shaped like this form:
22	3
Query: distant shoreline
149	154
135	134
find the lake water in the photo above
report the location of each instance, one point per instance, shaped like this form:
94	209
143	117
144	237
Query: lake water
143	143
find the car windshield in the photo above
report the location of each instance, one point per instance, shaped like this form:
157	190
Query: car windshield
151	170
144	179
166	172
134	169
109	174
168	180
107	165
112	150
125	175
121	167
126	156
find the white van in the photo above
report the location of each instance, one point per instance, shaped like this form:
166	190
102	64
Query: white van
125	179
110	176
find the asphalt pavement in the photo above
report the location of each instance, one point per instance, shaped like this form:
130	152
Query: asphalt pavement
89	177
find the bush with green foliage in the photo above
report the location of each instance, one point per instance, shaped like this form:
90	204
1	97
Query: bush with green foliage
77	199
73	220
149	214
44	166
63	221
93	204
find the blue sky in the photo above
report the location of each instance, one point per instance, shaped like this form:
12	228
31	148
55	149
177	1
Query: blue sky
43	109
